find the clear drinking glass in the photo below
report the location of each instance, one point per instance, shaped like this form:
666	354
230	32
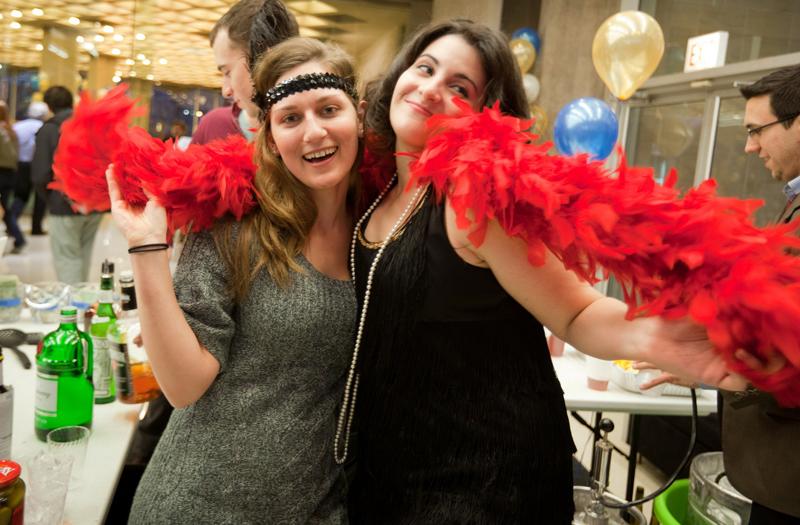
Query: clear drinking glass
47	479
70	443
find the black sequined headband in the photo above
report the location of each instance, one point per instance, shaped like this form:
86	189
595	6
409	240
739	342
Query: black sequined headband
279	91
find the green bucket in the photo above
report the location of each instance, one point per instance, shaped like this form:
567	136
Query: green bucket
670	506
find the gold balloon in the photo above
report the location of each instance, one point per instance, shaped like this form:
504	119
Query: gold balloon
539	117
626	51
524	52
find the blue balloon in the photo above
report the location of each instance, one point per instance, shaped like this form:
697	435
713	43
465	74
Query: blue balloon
586	125
529	34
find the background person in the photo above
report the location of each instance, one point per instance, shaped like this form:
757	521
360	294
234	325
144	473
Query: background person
71	233
238	40
26	130
9	154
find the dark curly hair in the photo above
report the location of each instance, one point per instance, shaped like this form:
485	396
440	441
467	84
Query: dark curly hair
504	79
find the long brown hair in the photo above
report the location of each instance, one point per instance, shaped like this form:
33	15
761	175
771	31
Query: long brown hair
504	82
271	238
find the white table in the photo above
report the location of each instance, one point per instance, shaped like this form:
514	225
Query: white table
113	425
571	371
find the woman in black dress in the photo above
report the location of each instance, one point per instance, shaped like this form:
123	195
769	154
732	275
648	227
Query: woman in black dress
460	416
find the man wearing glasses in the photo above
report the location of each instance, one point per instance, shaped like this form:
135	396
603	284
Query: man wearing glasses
760	439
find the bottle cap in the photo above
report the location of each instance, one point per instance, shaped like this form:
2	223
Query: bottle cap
69	315
126	276
9	472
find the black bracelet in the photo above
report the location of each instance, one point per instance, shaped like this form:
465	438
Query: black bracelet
156	247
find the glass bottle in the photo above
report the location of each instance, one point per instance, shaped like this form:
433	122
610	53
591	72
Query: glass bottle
133	375
64	391
12	493
103	318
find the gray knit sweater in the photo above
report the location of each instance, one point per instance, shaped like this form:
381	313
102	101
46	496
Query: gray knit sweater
258	446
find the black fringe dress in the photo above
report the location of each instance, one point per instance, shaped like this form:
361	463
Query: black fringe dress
460	416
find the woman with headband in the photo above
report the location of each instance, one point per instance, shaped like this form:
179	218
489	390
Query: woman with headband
459	413
251	348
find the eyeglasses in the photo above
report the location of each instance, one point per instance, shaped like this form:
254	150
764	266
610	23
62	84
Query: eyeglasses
755	132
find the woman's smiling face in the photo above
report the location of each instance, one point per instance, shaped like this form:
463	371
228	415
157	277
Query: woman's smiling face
449	67
315	132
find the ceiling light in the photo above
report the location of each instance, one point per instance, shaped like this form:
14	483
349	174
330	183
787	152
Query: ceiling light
118	37
88	46
38	47
115	51
140	56
140	36
16	13
108	29
99	38
162	61
186	112
198	114
146	62
130	61
116	79
74	20
37	12
79	39
149	77
15	25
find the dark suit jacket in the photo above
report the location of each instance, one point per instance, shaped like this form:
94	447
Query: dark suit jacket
42	165
761	440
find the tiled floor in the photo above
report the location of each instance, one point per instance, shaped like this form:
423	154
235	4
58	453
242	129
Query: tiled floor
35	264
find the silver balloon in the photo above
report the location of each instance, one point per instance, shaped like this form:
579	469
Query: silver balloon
532	87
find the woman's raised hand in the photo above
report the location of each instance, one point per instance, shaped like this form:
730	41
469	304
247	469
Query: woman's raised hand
139	225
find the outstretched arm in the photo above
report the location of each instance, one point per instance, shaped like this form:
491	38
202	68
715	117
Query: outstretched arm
184	369
595	324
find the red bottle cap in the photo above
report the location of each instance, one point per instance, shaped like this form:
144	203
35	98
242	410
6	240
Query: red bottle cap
9	472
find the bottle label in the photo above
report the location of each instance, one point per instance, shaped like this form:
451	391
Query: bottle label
102	368
46	395
122	367
6	422
105	296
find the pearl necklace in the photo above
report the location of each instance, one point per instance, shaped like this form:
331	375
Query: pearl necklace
348	408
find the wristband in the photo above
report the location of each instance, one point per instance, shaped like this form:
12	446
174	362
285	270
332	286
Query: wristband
155	247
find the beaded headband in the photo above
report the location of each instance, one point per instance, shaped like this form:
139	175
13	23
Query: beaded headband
300	83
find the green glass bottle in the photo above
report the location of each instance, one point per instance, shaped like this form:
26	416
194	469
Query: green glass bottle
103	318
64	391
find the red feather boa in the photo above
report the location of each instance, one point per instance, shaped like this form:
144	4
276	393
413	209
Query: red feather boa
196	186
699	255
